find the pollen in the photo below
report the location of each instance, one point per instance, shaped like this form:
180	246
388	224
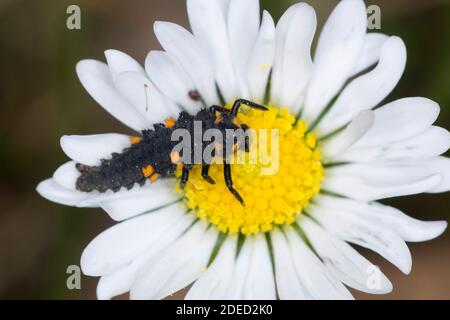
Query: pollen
270	200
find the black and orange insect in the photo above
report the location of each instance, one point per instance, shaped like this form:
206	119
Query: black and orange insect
152	155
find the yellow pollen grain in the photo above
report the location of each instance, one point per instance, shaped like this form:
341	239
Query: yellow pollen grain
269	200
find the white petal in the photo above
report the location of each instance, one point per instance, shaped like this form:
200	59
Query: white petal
261	59
145	97
89	150
171	79
289	286
399	120
113	285
408	228
315	278
370	89
119	62
139	200
345	262
96	79
209	27
120	281
344	24
431	143
241	271
214	283
185	49
352	133
356	188
53	191
120	205
379	181
66	175
224	5
297	63
125	204
243	25
278	65
180	265
122	243
401	172
441	166
370	53
337	53
260	284
361	231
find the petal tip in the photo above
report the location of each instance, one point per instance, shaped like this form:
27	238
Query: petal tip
102	291
158	25
406	266
42	187
87	264
63	141
111	52
439	228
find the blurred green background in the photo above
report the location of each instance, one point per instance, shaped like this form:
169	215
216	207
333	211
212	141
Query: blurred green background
42	99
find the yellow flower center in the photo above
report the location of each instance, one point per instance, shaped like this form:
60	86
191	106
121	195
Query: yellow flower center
270	200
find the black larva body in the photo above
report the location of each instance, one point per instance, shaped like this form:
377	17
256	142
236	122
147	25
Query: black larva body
125	170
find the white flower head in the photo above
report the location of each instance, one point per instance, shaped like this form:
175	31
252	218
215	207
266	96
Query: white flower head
340	152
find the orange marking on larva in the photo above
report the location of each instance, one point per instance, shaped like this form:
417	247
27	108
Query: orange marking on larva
218	147
236	122
180	166
175	157
218	120
148	171
135	140
170	122
154	177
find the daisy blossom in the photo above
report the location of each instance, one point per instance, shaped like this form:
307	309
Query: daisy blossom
340	152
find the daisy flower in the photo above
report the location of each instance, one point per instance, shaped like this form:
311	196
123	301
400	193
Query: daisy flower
340	152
